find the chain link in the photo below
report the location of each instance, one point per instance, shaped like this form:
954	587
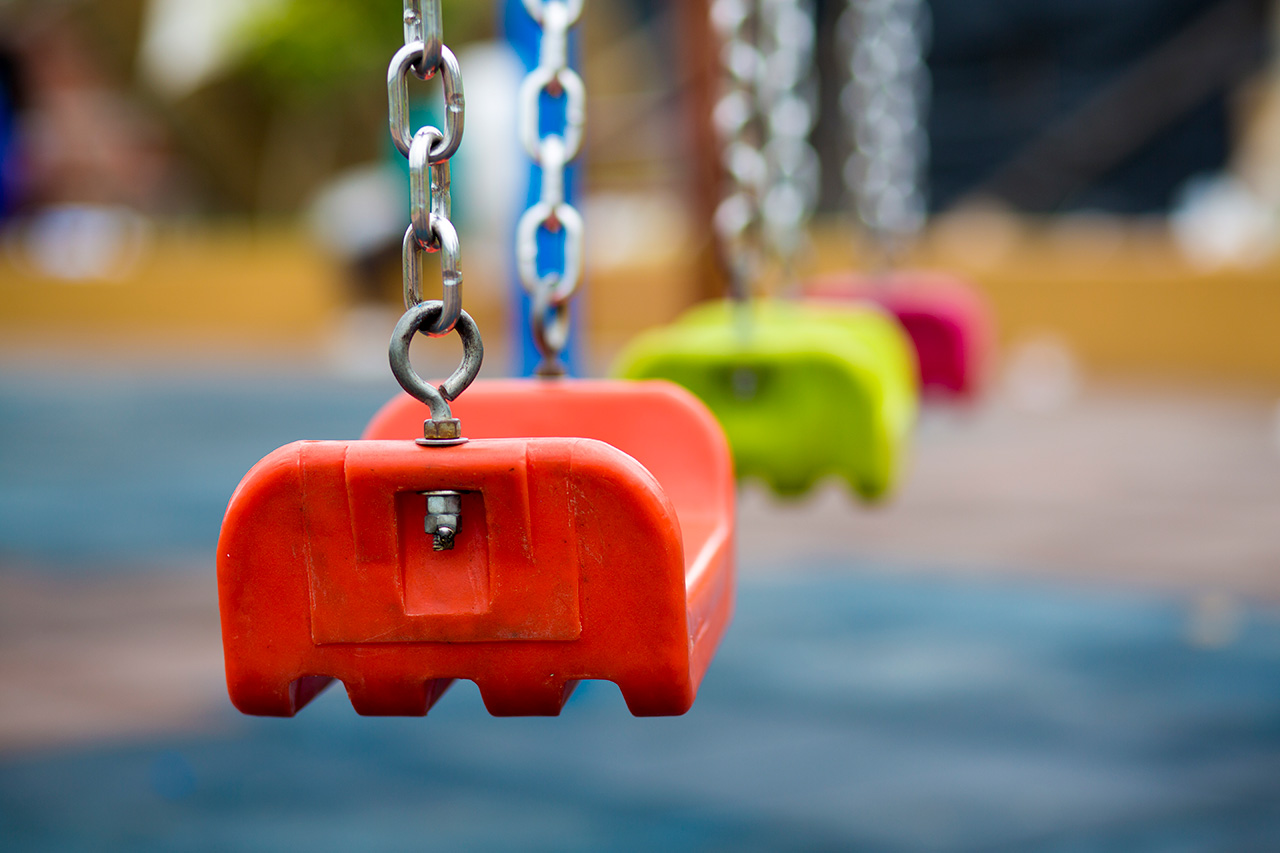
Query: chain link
737	121
429	150
884	102
424	22
404	63
763	117
788	102
550	292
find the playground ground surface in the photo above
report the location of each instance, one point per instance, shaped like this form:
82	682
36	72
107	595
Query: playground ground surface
1064	634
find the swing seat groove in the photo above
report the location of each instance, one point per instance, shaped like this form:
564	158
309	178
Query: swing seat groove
803	392
575	558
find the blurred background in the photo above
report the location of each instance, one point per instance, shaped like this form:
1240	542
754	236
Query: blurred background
1062	634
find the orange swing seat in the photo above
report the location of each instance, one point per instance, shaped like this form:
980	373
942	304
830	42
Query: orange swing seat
594	541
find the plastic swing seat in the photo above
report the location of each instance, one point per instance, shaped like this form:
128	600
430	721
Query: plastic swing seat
950	324
594	541
803	392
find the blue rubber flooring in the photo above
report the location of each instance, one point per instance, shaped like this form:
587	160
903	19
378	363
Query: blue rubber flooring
848	709
843	713
109	472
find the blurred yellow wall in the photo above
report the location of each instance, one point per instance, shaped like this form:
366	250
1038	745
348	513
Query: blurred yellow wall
1118	293
232	284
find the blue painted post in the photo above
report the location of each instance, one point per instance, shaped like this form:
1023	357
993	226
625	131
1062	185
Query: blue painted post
524	36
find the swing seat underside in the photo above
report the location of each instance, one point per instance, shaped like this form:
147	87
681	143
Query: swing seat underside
802	392
949	323
575	558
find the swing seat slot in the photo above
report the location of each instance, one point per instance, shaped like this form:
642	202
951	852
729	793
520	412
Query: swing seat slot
573	559
802	393
950	324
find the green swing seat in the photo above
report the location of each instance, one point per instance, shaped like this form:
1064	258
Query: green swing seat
803	390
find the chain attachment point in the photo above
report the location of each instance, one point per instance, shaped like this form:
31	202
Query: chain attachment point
442	428
430	230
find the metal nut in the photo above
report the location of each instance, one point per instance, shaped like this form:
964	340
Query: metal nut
442	430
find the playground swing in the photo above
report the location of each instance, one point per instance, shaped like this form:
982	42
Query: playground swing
802	390
949	323
579	530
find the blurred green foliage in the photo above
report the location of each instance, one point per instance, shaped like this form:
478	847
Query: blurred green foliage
313	50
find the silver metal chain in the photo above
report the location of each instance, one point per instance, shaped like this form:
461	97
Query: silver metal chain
764	116
429	150
737	121
430	230
884	103
425	23
788	99
551	291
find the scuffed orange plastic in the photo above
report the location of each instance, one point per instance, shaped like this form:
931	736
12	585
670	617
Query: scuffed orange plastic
595	543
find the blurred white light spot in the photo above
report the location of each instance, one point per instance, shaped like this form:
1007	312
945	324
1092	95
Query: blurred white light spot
82	243
1041	375
491	172
185	42
979	236
1219	222
357	346
634	228
361	211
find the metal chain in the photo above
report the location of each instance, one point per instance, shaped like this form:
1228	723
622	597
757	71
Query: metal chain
737	121
429	150
551	291
884	103
425	25
788	102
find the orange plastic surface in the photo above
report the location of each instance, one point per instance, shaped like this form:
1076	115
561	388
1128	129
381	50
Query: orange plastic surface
594	544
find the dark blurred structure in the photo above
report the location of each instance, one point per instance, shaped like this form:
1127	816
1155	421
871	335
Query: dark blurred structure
1058	105
1086	104
1046	105
72	131
10	107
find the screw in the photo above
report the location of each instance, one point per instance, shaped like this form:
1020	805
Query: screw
443	540
444	513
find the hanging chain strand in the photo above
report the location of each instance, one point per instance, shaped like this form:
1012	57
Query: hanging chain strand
788	102
429	150
736	117
884	103
551	291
